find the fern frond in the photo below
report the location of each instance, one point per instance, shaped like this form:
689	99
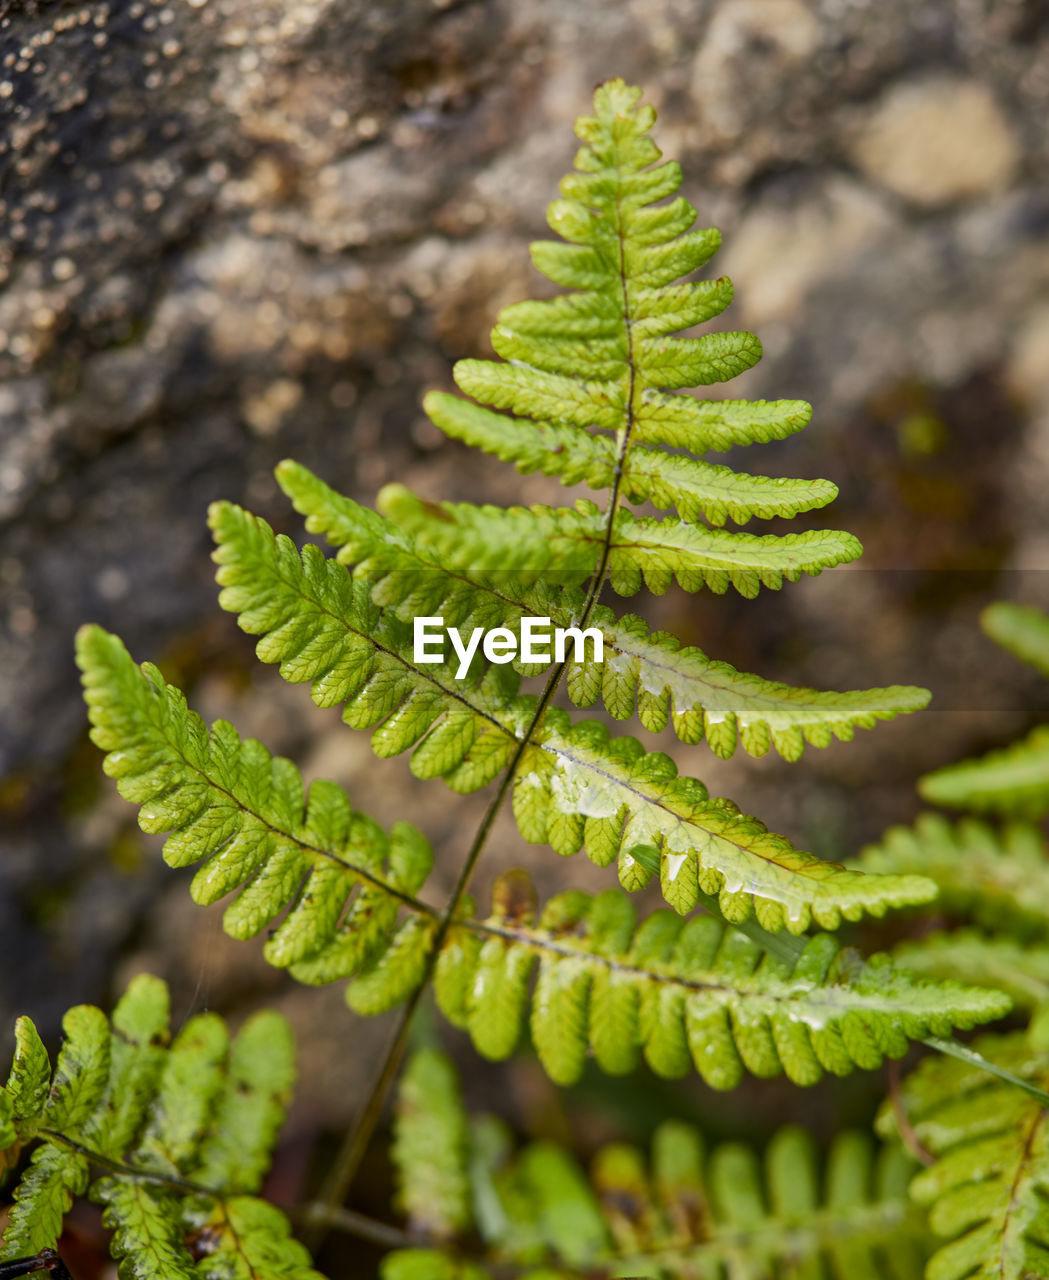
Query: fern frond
602	359
229	802
656	552
322	626
1013	781
334	875
683	994
969	956
430	1147
700	697
697	490
988	1192
997	878
1022	631
580	788
184	1135
683	1213
652	672
567	546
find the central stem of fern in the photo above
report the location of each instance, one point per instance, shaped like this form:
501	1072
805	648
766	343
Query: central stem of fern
351	1153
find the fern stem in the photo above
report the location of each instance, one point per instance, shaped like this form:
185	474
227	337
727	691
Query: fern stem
355	1224
347	1160
903	1121
351	1151
350	1154
128	1170
964	1054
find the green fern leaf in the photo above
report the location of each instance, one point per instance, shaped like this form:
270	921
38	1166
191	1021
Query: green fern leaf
29	1083
996	878
698	490
703	698
701	490
602	359
148	1240
682	1214
659	551
82	1072
577	787
188	1091
685	994
1023	631
430	1149
55	1177
322	626
248	1238
965	955
249	1110
137	1052
1013	781
988	1192
391	977
567	546
248	818
178	1132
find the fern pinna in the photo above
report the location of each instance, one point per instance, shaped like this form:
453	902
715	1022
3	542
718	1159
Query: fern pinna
172	1139
683	1214
992	865
586	390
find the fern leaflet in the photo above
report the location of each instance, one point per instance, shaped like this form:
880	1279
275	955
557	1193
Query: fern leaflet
966	955
988	1192
430	1147
685	994
246	816
1013	781
1022	631
183	1134
567	546
683	1214
996	878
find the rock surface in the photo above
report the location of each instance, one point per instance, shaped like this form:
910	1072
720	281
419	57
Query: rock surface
243	229
938	140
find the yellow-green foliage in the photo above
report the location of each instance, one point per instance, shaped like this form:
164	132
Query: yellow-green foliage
686	995
172	1139
682	1213
988	1189
344	894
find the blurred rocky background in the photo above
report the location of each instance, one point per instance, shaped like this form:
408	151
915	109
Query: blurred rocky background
237	230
